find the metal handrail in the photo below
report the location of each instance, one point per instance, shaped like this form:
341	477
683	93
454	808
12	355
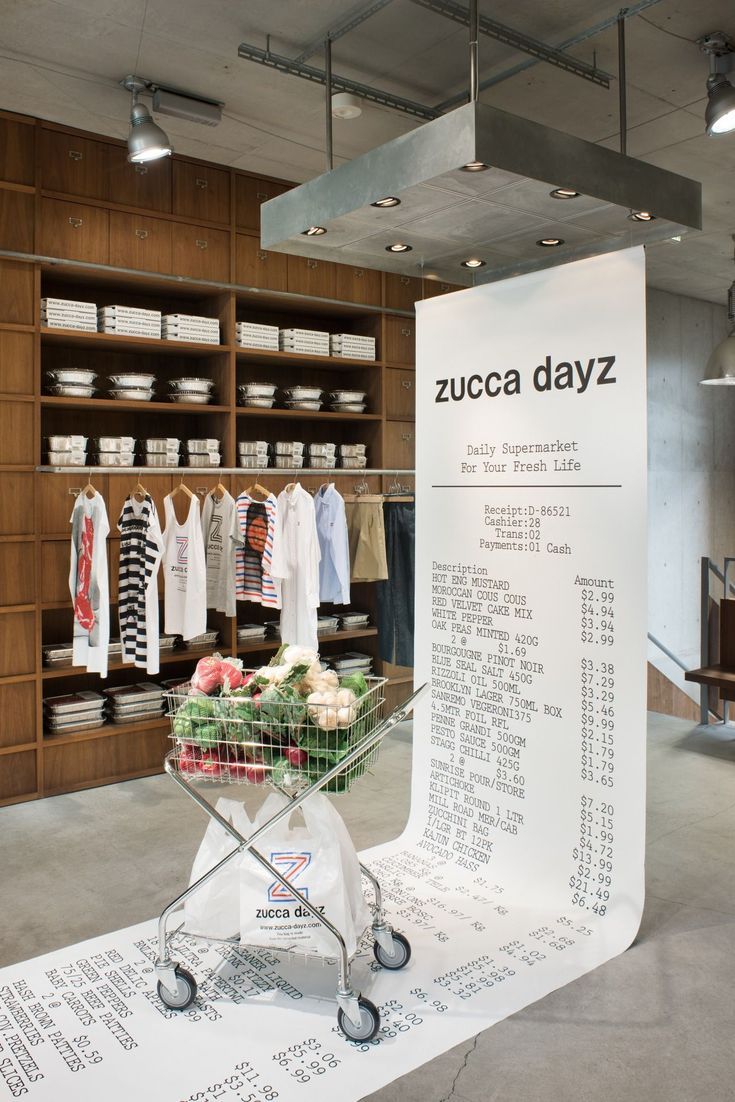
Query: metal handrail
669	654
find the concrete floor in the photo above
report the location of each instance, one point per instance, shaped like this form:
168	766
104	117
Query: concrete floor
654	1025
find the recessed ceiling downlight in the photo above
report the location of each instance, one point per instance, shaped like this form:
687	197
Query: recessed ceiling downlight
550	242
474	166
564	193
314	231
398	247
474	262
641	216
387	201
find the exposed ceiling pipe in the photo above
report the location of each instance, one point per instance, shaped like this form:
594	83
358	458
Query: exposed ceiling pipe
622	90
474	66
328	100
350	22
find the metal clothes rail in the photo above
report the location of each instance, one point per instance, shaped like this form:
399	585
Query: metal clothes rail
331	472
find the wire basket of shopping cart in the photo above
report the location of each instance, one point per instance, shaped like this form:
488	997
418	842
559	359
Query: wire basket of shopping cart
273	734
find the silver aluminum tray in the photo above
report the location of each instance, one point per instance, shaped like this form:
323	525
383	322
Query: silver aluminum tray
144	691
68	703
57	728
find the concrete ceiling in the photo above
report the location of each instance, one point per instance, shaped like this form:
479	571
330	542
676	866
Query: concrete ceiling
62	60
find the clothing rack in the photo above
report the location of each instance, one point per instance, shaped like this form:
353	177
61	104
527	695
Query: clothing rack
194	472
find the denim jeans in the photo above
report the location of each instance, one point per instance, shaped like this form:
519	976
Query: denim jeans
395	598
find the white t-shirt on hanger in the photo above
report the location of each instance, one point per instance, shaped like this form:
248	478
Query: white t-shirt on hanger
184	572
296	560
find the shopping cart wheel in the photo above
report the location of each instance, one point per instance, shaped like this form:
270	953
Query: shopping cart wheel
369	1022
186	991
399	958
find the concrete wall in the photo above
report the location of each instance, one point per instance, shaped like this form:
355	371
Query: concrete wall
691	462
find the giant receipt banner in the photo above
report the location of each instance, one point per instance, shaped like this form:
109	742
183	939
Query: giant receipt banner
522	864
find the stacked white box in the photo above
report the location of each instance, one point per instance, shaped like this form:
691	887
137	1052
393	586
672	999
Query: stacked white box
129	321
310	341
352	345
252	335
65	313
190	327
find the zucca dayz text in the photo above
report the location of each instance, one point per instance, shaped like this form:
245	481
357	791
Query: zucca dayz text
574	375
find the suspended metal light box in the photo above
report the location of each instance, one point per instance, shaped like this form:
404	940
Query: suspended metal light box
499	213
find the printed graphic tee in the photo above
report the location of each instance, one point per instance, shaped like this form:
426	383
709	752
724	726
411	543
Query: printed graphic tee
141	548
88	583
217	520
253	530
184	572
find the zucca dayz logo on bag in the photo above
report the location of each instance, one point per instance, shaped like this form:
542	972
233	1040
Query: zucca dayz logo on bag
291	866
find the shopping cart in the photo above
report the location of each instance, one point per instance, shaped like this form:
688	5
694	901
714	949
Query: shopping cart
298	749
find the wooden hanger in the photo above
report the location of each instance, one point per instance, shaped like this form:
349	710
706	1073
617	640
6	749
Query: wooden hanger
140	490
219	492
181	488
256	488
89	490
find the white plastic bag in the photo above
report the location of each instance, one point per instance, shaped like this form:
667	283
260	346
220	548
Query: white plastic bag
315	861
214	909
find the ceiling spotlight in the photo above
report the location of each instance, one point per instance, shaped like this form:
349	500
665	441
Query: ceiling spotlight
398	247
146	140
641	216
550	242
474	166
346	106
721	364
719	115
388	201
564	193
474	262
314	231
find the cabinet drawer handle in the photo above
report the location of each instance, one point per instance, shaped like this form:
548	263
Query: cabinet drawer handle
76	155
406	383
75	491
359	272
262	195
140	169
200	243
142	234
312	264
405	280
407	437
444	286
262	255
200	182
406	332
75	222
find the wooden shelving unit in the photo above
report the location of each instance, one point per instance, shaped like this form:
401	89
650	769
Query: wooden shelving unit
89	227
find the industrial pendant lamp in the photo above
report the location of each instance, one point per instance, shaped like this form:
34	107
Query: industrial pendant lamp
146	140
719	115
721	364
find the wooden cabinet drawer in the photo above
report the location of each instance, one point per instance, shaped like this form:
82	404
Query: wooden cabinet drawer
17	643
142	243
201	192
54	580
17	575
402	292
102	760
17	152
254	267
16	504
147	185
75	166
249	195
74	231
357	284
400	394
17	280
201	253
17	218
18	709
18	774
16	362
434	287
307	276
16	433
400	340
400	445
